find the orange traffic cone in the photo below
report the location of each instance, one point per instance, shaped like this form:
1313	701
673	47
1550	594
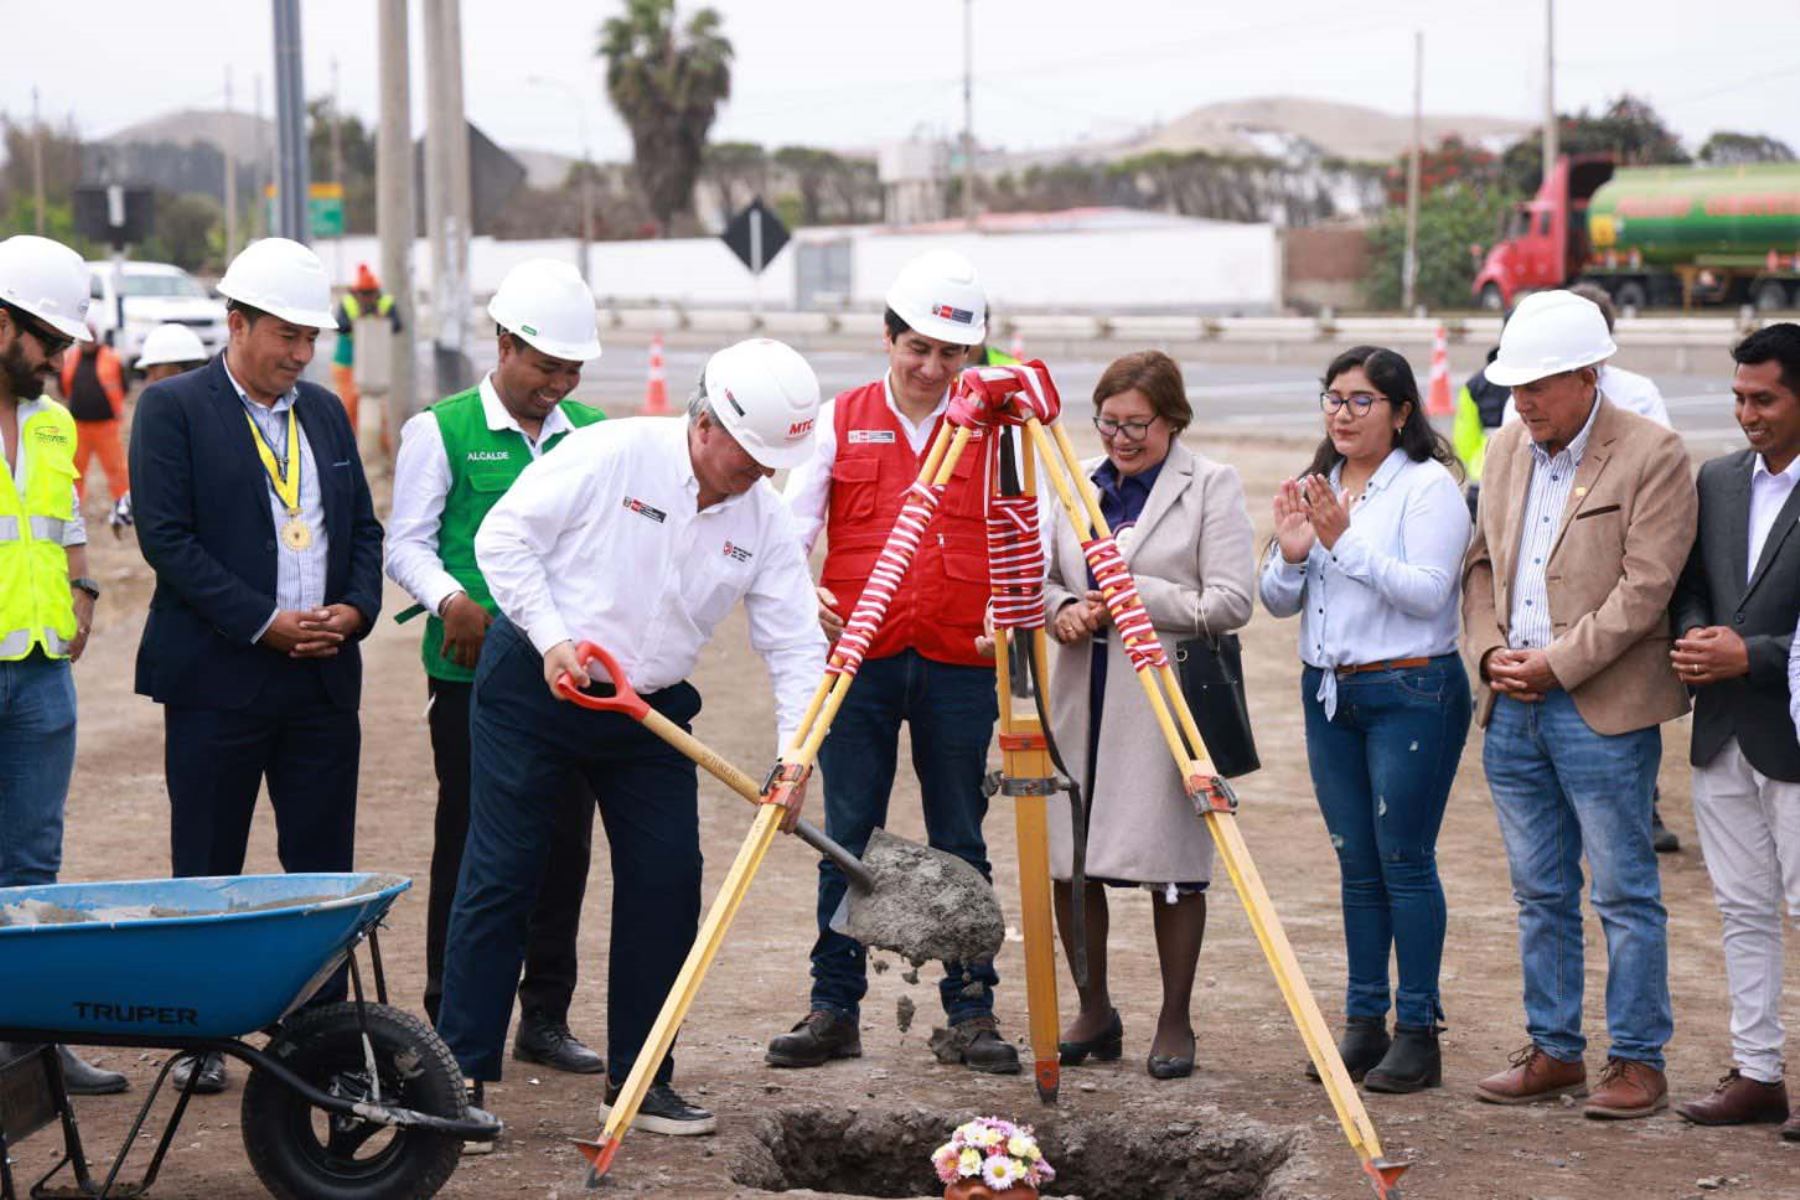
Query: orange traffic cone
656	391
1017	349
1437	395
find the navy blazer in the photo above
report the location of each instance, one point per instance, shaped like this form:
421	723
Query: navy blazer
200	497
1719	587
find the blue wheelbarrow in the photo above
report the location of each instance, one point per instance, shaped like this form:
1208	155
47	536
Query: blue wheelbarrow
352	1101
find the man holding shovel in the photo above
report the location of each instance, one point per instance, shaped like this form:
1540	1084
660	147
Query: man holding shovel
640	535
923	668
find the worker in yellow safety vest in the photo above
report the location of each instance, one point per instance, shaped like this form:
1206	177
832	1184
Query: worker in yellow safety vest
46	598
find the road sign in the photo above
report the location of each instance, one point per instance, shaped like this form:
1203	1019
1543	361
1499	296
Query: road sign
325	210
756	235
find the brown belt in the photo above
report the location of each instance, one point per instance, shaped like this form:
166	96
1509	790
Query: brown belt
1392	664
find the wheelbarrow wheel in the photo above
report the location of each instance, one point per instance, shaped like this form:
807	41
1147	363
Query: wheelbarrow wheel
303	1153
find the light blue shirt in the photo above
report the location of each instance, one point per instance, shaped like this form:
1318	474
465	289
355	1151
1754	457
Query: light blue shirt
1552	479
299	574
1391	587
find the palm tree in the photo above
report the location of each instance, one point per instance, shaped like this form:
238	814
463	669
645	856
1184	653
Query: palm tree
667	85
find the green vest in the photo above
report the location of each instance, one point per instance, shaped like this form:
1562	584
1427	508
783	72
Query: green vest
483	465
345	353
36	609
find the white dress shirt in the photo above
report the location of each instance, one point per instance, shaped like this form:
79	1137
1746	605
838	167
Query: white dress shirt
1391	587
1552	479
604	541
1626	389
299	574
808	490
75	532
1768	492
422	481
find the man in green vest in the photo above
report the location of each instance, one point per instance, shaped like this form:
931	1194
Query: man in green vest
46	598
456	460
364	299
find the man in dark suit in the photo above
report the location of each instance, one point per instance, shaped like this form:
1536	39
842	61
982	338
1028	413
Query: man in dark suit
1735	609
252	508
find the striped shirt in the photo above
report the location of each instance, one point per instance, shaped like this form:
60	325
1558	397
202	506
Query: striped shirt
1552	479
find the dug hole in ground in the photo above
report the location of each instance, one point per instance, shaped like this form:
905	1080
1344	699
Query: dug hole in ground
1248	1119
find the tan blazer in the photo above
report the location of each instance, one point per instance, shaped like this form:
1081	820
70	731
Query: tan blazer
1624	537
1192	555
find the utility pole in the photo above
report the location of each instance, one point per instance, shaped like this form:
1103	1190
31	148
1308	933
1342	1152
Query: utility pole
1409	268
292	187
968	138
394	207
1550	147
447	193
37	170
337	168
259	178
231	196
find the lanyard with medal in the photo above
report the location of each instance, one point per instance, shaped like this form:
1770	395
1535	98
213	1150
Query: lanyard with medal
296	534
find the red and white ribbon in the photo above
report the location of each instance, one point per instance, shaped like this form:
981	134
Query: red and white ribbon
884	581
1128	613
1015	562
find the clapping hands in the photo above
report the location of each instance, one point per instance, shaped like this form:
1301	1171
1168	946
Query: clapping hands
1294	531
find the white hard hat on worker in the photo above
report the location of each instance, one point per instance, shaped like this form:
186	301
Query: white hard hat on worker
938	295
548	305
284	279
766	397
48	282
1550	333
169	345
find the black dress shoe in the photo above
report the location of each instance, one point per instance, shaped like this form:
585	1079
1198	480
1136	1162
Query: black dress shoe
85	1079
1662	838
1172	1066
817	1039
1364	1043
542	1040
1412	1064
209	1080
1106	1046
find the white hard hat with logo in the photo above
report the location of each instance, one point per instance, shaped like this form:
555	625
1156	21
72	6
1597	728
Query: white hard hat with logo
282	278
938	295
47	280
1547	334
171	344
766	397
549	305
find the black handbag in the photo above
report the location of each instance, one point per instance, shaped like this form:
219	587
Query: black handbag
1211	670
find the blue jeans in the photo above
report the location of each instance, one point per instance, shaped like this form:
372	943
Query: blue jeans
1382	769
37	756
951	711
1559	789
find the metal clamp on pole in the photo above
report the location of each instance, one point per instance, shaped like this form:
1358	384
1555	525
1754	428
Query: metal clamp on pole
1211	793
781	787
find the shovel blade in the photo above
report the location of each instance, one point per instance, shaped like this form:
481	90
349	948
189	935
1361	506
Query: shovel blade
926	904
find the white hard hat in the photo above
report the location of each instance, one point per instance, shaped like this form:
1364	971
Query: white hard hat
937	295
1547	334
767	397
547	303
171	344
282	278
47	280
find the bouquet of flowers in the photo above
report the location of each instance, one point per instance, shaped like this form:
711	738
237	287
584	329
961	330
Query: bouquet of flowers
999	1153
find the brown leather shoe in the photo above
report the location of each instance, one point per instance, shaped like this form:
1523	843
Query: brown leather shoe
1627	1089
1532	1076
1738	1100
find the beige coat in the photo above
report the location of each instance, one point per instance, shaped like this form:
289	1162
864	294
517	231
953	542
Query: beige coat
1624	537
1192	555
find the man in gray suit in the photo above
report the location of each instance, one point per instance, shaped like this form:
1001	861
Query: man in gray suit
1735	609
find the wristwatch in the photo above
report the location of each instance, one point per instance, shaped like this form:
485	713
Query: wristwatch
90	586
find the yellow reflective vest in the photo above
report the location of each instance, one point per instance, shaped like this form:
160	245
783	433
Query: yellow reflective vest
36	609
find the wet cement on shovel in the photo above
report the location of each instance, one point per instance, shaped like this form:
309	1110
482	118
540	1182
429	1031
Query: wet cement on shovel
926	905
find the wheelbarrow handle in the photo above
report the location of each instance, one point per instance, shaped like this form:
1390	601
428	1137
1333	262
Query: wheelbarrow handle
625	700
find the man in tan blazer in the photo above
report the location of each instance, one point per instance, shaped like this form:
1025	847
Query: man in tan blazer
1586	516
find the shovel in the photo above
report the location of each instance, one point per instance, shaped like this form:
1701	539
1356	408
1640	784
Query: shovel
919	902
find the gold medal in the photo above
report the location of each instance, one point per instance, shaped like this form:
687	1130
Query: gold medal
296	534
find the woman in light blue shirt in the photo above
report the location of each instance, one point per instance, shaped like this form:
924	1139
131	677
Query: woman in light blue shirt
1368	550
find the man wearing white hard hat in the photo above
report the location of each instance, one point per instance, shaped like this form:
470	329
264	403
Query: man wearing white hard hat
253	511
640	535
923	668
46	597
1585	519
456	460
169	350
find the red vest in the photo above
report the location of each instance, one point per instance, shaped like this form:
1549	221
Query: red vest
939	607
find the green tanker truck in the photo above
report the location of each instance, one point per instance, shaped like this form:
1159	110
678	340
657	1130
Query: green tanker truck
1653	235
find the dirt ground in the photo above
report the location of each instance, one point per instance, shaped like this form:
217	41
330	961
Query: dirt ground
1249	1058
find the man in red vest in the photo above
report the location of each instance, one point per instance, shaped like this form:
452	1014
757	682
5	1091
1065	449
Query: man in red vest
923	668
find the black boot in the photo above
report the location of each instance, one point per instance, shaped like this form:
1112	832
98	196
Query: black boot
1365	1040
1412	1064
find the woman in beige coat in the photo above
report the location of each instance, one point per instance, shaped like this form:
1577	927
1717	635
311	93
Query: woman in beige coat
1183	528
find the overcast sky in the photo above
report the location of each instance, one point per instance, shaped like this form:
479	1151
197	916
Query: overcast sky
852	73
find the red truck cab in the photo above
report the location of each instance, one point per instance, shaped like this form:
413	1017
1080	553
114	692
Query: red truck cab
1543	241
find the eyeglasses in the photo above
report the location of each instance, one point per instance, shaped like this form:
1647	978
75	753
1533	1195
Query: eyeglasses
1132	431
52	342
1359	402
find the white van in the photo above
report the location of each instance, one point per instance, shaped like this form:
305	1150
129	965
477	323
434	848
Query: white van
155	294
